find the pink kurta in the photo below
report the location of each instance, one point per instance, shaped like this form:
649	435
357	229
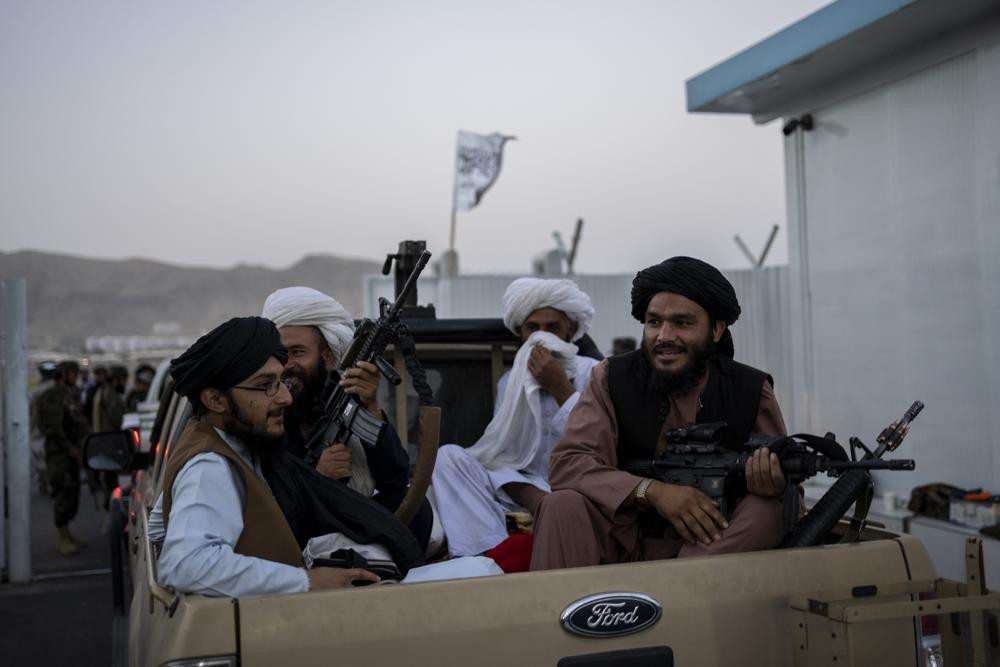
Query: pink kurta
589	519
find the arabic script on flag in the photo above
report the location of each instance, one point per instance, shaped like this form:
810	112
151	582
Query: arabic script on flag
477	165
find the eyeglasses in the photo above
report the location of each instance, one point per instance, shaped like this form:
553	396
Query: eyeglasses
270	390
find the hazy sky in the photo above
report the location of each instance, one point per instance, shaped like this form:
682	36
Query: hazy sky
214	133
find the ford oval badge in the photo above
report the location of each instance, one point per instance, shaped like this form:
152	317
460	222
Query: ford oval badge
610	614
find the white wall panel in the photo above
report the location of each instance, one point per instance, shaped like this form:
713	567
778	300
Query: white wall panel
898	244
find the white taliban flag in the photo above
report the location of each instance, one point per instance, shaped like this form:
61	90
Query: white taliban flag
477	165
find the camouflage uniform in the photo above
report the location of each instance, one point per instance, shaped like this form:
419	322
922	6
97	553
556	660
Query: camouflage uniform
63	427
37	439
109	408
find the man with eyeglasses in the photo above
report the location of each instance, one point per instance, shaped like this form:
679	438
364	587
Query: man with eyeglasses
223	530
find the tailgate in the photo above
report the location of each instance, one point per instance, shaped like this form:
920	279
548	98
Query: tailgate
718	610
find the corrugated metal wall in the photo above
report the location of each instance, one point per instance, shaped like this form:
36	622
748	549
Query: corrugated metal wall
760	335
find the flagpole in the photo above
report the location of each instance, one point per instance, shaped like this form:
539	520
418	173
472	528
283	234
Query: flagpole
452	258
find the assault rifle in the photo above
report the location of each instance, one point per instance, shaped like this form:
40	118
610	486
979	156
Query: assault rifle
343	415
695	457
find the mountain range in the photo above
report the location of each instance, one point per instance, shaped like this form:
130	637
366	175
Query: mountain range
70	298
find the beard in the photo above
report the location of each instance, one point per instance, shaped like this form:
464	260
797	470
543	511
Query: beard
303	408
684	379
261	443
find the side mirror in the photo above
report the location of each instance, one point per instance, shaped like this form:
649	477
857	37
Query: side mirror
113	451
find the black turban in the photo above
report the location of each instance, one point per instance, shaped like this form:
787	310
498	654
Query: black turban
702	283
227	355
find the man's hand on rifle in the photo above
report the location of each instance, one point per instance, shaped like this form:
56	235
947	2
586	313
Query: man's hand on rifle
322	578
764	475
362	381
546	369
335	462
693	514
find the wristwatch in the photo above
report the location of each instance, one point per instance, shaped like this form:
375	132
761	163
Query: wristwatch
641	502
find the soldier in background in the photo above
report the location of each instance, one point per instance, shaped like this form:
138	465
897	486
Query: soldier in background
140	387
109	408
63	427
622	345
109	401
47	377
100	376
83	382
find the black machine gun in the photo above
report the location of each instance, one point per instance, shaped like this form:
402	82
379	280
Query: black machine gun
343	414
695	457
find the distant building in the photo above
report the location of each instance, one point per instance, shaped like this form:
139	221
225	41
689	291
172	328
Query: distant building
166	328
135	344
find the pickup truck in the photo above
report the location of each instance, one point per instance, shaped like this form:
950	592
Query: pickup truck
860	603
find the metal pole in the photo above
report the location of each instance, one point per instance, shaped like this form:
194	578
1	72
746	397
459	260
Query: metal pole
562	251
451	259
576	244
18	466
808	391
745	249
3	430
767	246
451	265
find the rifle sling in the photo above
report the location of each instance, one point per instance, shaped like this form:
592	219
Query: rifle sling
413	368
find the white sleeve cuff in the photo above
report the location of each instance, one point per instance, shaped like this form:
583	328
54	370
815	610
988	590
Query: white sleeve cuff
562	415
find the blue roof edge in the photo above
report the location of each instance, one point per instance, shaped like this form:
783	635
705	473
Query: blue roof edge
821	28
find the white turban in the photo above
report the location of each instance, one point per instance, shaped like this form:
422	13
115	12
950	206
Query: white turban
306	307
526	295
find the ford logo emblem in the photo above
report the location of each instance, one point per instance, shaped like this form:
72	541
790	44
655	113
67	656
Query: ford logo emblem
610	614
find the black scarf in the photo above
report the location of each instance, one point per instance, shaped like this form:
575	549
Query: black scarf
316	505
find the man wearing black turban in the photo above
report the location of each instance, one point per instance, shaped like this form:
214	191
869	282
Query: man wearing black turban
227	531
683	374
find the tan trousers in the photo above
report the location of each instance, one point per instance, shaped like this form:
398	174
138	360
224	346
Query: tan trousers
570	531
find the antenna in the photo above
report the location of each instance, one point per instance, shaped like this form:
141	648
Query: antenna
569	256
573	248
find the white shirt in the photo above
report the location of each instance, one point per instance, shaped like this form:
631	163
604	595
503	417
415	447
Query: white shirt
552	424
206	521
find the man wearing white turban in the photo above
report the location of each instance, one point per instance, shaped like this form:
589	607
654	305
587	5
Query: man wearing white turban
317	331
507	468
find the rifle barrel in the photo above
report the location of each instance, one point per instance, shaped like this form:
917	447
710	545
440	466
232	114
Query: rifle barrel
911	413
422	260
872	464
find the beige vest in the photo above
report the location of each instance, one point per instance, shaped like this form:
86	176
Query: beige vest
266	533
